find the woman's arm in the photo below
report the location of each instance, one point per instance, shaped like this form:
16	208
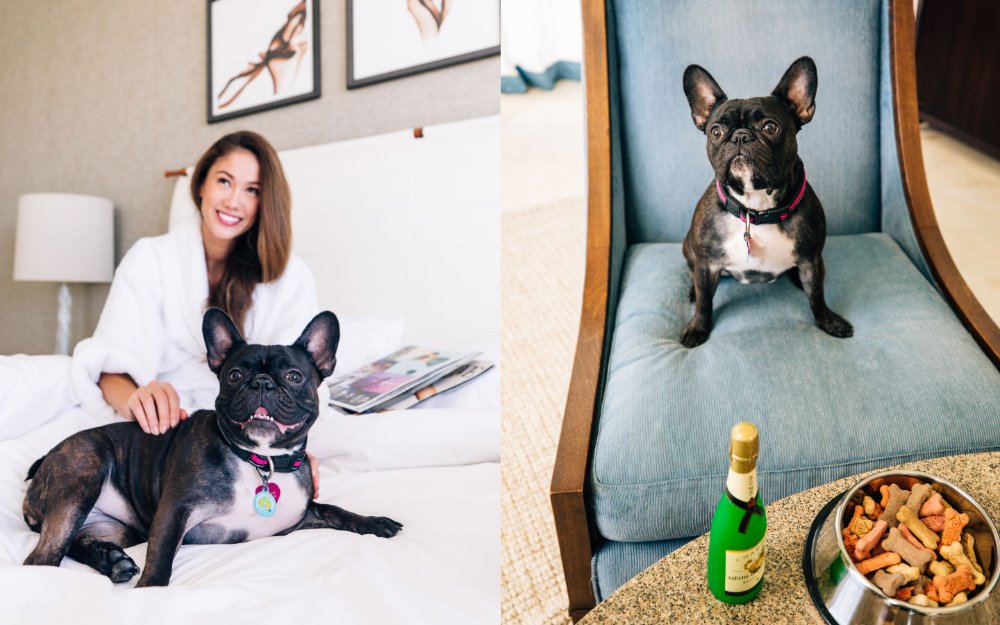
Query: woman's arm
155	406
117	388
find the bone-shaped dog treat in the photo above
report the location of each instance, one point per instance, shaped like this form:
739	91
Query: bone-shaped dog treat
859	524
934	523
914	556
933	506
918	495
931	591
872	509
950	585
923	601
969	547
897	497
928	538
940	567
905	593
888	582
878	562
954	523
850	543
909	573
921	584
865	545
884	491
955	554
959	599
908	535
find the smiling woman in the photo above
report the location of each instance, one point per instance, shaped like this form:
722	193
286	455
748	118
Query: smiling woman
237	179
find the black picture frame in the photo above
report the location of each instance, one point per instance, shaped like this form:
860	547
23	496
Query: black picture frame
355	81
228	46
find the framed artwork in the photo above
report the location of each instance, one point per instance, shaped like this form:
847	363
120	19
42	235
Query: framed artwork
388	39
262	54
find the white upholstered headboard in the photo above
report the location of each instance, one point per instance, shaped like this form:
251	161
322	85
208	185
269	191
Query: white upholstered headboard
393	226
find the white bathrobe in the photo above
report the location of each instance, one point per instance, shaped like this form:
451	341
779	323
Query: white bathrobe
150	327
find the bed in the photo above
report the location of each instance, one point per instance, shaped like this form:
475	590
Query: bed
402	234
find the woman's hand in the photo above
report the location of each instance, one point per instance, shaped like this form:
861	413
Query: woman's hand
156	407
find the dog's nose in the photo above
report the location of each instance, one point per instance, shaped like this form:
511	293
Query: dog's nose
262	380
742	137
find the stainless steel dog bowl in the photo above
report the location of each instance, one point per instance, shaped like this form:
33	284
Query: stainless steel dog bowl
846	597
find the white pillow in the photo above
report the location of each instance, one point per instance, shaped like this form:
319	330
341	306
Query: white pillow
406	438
365	340
33	389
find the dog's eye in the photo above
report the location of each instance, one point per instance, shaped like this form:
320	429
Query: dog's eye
716	132
770	128
294	377
235	376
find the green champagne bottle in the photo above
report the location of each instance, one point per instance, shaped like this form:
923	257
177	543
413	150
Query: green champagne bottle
736	546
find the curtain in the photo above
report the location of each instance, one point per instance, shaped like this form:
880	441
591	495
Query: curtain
541	42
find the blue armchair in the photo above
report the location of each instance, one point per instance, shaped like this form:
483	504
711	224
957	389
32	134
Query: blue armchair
643	450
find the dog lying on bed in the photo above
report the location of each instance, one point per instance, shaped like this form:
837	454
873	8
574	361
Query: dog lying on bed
233	474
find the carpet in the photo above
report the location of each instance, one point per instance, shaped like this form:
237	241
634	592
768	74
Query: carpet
542	265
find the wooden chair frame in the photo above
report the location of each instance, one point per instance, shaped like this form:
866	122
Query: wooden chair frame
578	540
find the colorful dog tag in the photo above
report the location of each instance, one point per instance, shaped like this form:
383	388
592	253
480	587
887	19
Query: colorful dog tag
264	503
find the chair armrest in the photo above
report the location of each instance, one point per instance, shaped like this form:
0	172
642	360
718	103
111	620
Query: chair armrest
911	164
577	538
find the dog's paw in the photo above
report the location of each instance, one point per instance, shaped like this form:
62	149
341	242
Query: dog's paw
380	526
117	565
835	325
123	570
693	336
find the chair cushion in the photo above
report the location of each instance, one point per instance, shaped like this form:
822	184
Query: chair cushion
910	384
615	563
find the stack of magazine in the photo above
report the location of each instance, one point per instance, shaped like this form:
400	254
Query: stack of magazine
404	378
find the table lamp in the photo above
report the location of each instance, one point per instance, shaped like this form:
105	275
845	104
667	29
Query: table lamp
64	237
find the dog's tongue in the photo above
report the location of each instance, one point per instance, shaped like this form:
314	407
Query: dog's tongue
261	412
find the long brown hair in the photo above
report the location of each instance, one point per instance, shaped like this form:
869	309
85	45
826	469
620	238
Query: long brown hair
261	253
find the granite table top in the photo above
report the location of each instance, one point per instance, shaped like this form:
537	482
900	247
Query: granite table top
675	589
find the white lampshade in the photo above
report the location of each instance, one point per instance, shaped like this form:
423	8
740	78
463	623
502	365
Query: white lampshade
64	237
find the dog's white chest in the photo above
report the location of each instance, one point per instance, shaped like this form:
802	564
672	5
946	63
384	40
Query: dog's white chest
242	515
771	251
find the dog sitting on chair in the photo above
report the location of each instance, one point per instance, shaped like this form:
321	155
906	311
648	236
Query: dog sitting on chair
759	218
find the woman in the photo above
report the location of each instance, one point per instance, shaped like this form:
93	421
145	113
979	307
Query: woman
147	355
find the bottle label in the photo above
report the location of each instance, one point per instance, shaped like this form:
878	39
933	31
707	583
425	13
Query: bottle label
744	569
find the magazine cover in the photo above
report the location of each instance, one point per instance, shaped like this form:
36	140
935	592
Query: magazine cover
393	375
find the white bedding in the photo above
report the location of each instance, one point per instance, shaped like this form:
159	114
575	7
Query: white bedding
442	568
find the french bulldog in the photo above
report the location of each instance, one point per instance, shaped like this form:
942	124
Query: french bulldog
759	218
230	475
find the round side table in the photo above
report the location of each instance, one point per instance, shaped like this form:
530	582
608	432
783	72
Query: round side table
675	589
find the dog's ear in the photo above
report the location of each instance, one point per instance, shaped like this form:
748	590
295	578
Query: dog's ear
221	336
319	340
703	94
797	90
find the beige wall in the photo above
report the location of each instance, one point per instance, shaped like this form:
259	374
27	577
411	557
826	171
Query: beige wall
101	96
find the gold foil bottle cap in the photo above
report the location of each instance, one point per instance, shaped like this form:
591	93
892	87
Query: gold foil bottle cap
743	447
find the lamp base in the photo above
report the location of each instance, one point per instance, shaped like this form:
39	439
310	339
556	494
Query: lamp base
62	320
